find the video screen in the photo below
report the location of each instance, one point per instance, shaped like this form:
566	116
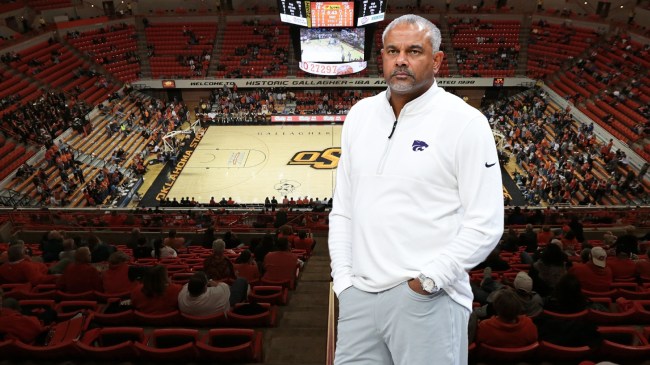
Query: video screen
332	44
332	14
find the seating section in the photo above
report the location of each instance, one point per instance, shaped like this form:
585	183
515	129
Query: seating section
254	49
179	50
551	171
485	48
92	151
127	334
12	156
618	95
54	64
551	44
114	48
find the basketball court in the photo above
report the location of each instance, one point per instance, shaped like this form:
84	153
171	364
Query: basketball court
250	163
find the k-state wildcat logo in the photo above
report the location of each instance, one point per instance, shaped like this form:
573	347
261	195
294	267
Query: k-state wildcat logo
419	145
326	159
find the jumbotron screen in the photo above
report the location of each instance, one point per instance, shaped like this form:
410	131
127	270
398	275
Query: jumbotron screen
332	44
331	14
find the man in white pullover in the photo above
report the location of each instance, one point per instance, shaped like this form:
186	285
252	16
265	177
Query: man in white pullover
418	202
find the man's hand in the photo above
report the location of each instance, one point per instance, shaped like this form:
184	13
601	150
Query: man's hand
416	286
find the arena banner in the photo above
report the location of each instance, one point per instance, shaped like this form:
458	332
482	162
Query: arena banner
323	118
332	69
352	82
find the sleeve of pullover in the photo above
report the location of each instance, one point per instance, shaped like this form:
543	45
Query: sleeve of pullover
481	195
340	226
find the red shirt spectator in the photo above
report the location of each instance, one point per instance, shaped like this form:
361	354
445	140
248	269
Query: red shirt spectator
80	276
281	265
15	325
156	304
116	278
246	267
20	270
156	294
544	236
594	275
621	265
508	328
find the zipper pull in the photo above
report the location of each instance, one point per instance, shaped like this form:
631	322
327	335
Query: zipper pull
393	130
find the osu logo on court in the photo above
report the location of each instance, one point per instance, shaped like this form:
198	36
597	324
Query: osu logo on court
326	159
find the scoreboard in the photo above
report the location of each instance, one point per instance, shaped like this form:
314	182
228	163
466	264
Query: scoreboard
293	12
331	14
371	11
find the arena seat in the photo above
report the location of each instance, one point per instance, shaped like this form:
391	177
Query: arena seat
111	343
551	351
69	308
623	344
277	295
252	315
231	345
215	320
166	319
494	353
174	344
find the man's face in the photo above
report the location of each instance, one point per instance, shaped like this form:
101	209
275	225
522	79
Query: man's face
409	61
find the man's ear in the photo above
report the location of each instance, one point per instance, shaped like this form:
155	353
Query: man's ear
437	60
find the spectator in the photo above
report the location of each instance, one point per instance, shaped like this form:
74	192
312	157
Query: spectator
52	246
594	275
157	294
567	298
217	266
161	251
116	278
246	267
65	257
267	245
173	241
544	236
622	266
20	270
203	297
80	276
508	328
281	265
15	325
548	270
528	238
304	242
142	249
100	250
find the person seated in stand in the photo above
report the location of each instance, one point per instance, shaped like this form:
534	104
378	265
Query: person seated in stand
304	242
161	251
80	276
281	265
550	267
156	294
100	251
173	241
203	297
66	257
17	326
567	298
20	269
246	267
116	278
217	266
594	275
622	266
508	328
142	249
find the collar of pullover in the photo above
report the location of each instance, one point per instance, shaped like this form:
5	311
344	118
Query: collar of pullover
418	104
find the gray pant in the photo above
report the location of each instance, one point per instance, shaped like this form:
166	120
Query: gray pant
400	326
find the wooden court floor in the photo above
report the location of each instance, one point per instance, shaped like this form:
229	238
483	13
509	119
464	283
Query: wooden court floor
249	163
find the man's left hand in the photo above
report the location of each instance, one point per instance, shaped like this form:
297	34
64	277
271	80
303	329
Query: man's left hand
416	286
